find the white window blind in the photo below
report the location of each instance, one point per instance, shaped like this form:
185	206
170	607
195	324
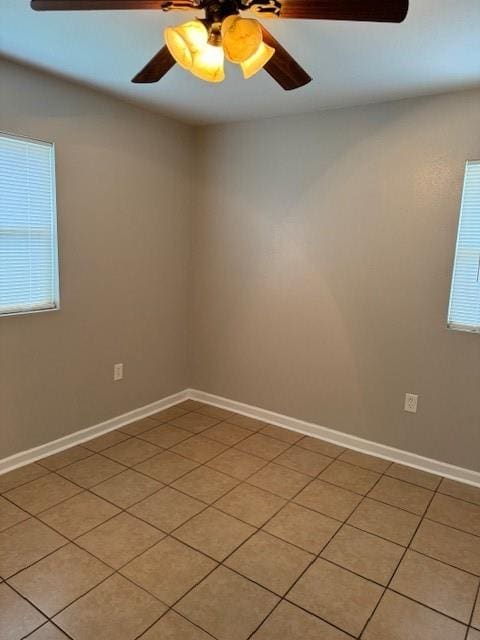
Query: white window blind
28	236
464	310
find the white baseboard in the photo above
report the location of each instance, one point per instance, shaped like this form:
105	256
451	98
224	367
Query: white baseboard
55	446
307	428
343	439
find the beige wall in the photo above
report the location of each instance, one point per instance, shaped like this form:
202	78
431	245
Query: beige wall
321	262
123	192
322	254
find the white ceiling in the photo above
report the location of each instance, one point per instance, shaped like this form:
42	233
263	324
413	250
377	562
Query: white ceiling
436	49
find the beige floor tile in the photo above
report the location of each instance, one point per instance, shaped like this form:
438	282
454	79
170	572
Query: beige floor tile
59	460
462	550
48	631
285	435
328	499
42	493
18	616
131	451
166	435
120	539
454	513
194	422
79	514
401	494
460	490
25	543
303	461
166	466
398	618
54	582
227	605
365	554
288	622
385	521
167	509
336	595
205	484
105	441
250	504
414	476
350	477
168	570
190	405
262	446
130	611
139	426
215	412
214	533
436	585
280	480
270	562
226	433
21	475
199	448
127	488
476	614
245	421
473	634
174	627
365	461
165	415
237	463
320	446
10	514
302	527
91	471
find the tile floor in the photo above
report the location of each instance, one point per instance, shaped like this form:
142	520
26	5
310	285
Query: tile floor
197	523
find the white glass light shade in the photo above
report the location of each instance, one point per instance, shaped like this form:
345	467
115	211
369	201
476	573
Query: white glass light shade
185	41
208	64
241	37
257	61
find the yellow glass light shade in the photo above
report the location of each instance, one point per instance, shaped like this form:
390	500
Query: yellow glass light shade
185	41
208	64
241	38
256	62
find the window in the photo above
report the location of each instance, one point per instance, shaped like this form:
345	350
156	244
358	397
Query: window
28	235
464	310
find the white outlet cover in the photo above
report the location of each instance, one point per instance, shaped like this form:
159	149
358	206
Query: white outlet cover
118	371
411	402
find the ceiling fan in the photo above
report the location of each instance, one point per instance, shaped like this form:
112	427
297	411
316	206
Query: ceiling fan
201	44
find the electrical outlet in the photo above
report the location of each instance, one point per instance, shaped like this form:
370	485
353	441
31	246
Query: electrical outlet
411	401
118	371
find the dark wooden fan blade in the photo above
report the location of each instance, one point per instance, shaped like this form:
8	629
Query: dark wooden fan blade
362	10
86	5
154	70
282	67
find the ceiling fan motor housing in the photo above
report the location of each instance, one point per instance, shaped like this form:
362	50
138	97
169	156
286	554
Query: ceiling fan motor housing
218	10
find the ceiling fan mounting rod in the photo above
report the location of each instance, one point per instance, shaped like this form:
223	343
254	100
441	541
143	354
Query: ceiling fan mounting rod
218	10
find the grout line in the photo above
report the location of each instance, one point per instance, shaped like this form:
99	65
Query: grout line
397	567
115	571
257	529
427	606
470	622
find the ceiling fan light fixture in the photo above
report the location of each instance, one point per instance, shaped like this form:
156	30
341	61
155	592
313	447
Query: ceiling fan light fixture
208	64
241	38
185	41
257	61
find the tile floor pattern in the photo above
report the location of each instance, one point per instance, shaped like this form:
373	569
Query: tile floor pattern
197	524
